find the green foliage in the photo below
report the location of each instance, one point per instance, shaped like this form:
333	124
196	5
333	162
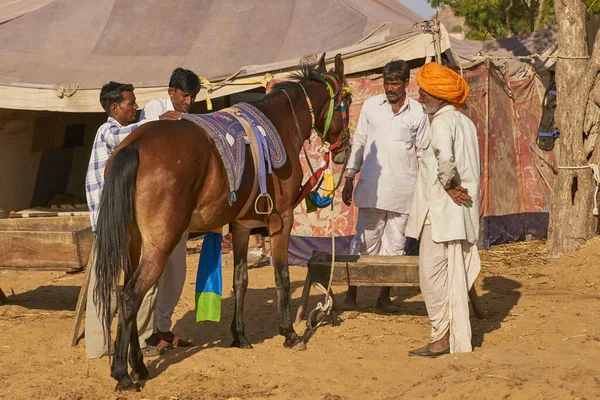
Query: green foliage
487	18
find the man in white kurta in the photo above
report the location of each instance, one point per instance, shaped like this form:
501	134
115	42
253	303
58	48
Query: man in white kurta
160	301
390	129
445	211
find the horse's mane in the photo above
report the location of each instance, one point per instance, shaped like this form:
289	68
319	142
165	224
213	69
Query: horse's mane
307	73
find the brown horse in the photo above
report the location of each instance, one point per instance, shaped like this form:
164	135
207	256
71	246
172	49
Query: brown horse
167	177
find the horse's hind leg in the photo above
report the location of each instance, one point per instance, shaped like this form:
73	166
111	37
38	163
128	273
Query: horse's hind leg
280	226
136	359
146	275
240	283
123	340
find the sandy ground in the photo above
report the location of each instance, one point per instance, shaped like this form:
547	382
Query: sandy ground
539	341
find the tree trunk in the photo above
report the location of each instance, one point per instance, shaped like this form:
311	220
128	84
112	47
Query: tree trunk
507	13
540	12
571	219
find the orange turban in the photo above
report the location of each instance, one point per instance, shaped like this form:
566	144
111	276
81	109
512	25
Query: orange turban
443	83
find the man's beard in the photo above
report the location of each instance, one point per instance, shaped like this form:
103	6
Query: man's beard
429	109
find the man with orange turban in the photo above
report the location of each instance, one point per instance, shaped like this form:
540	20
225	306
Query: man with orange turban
445	211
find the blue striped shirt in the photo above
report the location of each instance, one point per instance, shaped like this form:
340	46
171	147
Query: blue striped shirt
108	137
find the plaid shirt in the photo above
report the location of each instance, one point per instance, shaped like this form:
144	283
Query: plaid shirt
109	135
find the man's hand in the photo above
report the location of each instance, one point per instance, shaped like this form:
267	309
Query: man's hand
347	191
171	115
458	194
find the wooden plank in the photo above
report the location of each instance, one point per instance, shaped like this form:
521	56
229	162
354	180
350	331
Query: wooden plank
371	271
40	249
46	224
367	270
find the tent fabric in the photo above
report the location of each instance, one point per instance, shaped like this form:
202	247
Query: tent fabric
542	43
119	40
12	9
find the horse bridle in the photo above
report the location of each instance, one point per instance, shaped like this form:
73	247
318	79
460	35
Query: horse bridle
339	93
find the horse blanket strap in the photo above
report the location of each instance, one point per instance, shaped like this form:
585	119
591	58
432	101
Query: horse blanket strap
229	130
312	181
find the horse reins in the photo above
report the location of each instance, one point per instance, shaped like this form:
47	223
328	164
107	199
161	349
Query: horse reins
336	101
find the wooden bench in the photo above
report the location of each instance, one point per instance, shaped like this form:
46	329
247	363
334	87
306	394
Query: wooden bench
366	271
52	243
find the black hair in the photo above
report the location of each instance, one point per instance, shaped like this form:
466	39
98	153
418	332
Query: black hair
396	69
112	93
185	80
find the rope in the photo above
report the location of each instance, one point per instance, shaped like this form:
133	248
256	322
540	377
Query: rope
211	87
596	173
372	33
532	57
324	309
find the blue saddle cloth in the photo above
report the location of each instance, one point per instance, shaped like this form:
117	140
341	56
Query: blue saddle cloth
231	139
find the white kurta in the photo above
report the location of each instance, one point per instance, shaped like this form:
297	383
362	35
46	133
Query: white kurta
450	153
448	257
384	150
155	108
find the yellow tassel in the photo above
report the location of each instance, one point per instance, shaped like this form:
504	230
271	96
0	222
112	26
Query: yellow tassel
328	183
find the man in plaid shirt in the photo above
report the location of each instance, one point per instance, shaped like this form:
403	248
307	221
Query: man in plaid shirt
119	102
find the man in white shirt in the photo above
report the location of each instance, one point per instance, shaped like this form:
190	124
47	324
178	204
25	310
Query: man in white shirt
386	142
160	301
445	211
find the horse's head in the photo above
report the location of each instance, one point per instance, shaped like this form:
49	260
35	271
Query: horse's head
332	122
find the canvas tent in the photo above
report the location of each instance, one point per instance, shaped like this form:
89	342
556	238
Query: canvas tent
55	59
49	64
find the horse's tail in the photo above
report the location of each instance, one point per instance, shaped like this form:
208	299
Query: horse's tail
112	231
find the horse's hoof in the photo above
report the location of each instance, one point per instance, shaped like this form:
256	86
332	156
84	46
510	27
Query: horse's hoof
295	342
139	376
301	346
126	385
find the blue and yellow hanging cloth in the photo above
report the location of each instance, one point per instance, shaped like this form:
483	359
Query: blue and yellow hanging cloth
209	280
314	200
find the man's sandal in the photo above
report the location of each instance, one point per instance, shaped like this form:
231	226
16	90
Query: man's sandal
169	340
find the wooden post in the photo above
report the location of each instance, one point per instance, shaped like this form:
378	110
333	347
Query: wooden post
3	299
301	313
81	303
477	307
82	300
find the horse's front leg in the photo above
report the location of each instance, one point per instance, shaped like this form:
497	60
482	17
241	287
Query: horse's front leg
240	283
280	226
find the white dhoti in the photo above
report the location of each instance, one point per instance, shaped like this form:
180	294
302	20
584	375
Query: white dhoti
379	233
156	311
447	271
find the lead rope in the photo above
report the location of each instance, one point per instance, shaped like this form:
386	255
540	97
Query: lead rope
323	310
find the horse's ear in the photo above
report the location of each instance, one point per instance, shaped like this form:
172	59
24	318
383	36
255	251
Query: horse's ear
321	64
339	66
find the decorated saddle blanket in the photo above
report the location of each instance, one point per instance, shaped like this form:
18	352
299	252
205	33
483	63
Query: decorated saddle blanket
226	128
